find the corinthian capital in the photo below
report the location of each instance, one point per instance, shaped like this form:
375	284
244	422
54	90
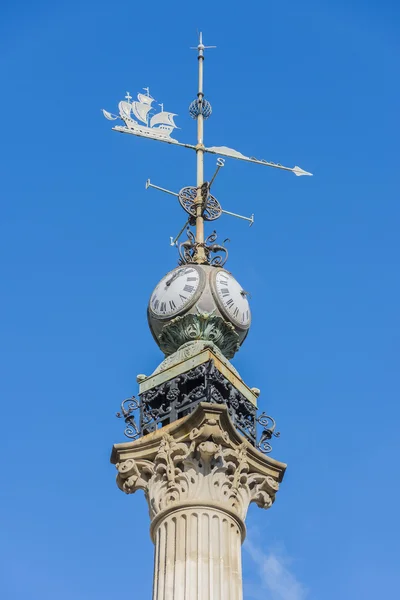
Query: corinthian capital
200	460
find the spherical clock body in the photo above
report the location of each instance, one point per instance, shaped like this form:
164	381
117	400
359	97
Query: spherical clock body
199	290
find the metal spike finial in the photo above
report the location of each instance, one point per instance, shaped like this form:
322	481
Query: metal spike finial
200	109
200	47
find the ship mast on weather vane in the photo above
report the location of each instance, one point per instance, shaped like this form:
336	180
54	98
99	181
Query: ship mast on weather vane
197	201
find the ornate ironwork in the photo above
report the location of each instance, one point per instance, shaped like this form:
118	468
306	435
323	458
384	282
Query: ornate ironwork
211	208
269	425
200	107
203	326
179	396
188	250
128	407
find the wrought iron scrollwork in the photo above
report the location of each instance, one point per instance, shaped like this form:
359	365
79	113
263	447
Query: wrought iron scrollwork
128	407
269	425
188	250
179	396
210	209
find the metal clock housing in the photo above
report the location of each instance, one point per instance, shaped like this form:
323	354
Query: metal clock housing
204	291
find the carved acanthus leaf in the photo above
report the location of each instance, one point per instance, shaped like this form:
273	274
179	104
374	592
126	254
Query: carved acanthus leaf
205	469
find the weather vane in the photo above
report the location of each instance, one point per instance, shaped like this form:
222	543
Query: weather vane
197	201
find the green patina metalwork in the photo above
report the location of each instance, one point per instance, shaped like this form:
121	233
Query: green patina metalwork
203	326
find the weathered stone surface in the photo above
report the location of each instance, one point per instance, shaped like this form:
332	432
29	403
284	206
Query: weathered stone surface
198	556
190	349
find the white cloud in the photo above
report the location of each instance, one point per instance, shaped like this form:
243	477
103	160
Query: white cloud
274	574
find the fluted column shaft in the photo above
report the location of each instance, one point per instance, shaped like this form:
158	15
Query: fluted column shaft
197	556
199	477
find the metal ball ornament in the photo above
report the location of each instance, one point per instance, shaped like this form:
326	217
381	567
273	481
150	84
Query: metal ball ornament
197	108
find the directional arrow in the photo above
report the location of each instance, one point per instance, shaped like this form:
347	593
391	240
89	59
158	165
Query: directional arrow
231	153
220	150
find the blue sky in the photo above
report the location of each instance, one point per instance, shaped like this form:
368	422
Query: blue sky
83	244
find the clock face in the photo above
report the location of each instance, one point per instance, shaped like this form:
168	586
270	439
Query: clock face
175	291
232	299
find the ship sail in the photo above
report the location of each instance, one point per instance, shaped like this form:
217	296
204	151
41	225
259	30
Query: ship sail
140	110
145	99
163	118
124	110
109	115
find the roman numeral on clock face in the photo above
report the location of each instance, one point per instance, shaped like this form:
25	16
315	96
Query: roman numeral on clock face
175	291
232	299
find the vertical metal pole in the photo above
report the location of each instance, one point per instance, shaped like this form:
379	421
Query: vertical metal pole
200	256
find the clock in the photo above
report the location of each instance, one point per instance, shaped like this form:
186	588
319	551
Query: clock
231	298
176	292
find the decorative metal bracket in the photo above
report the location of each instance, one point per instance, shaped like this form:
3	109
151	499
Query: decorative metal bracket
269	430
188	250
128	407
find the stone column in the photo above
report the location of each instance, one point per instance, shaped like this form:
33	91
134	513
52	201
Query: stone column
197	555
199	477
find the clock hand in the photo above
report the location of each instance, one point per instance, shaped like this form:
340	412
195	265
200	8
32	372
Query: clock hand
168	283
174	276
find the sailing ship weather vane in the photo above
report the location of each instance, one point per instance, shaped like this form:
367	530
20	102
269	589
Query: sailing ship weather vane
141	119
